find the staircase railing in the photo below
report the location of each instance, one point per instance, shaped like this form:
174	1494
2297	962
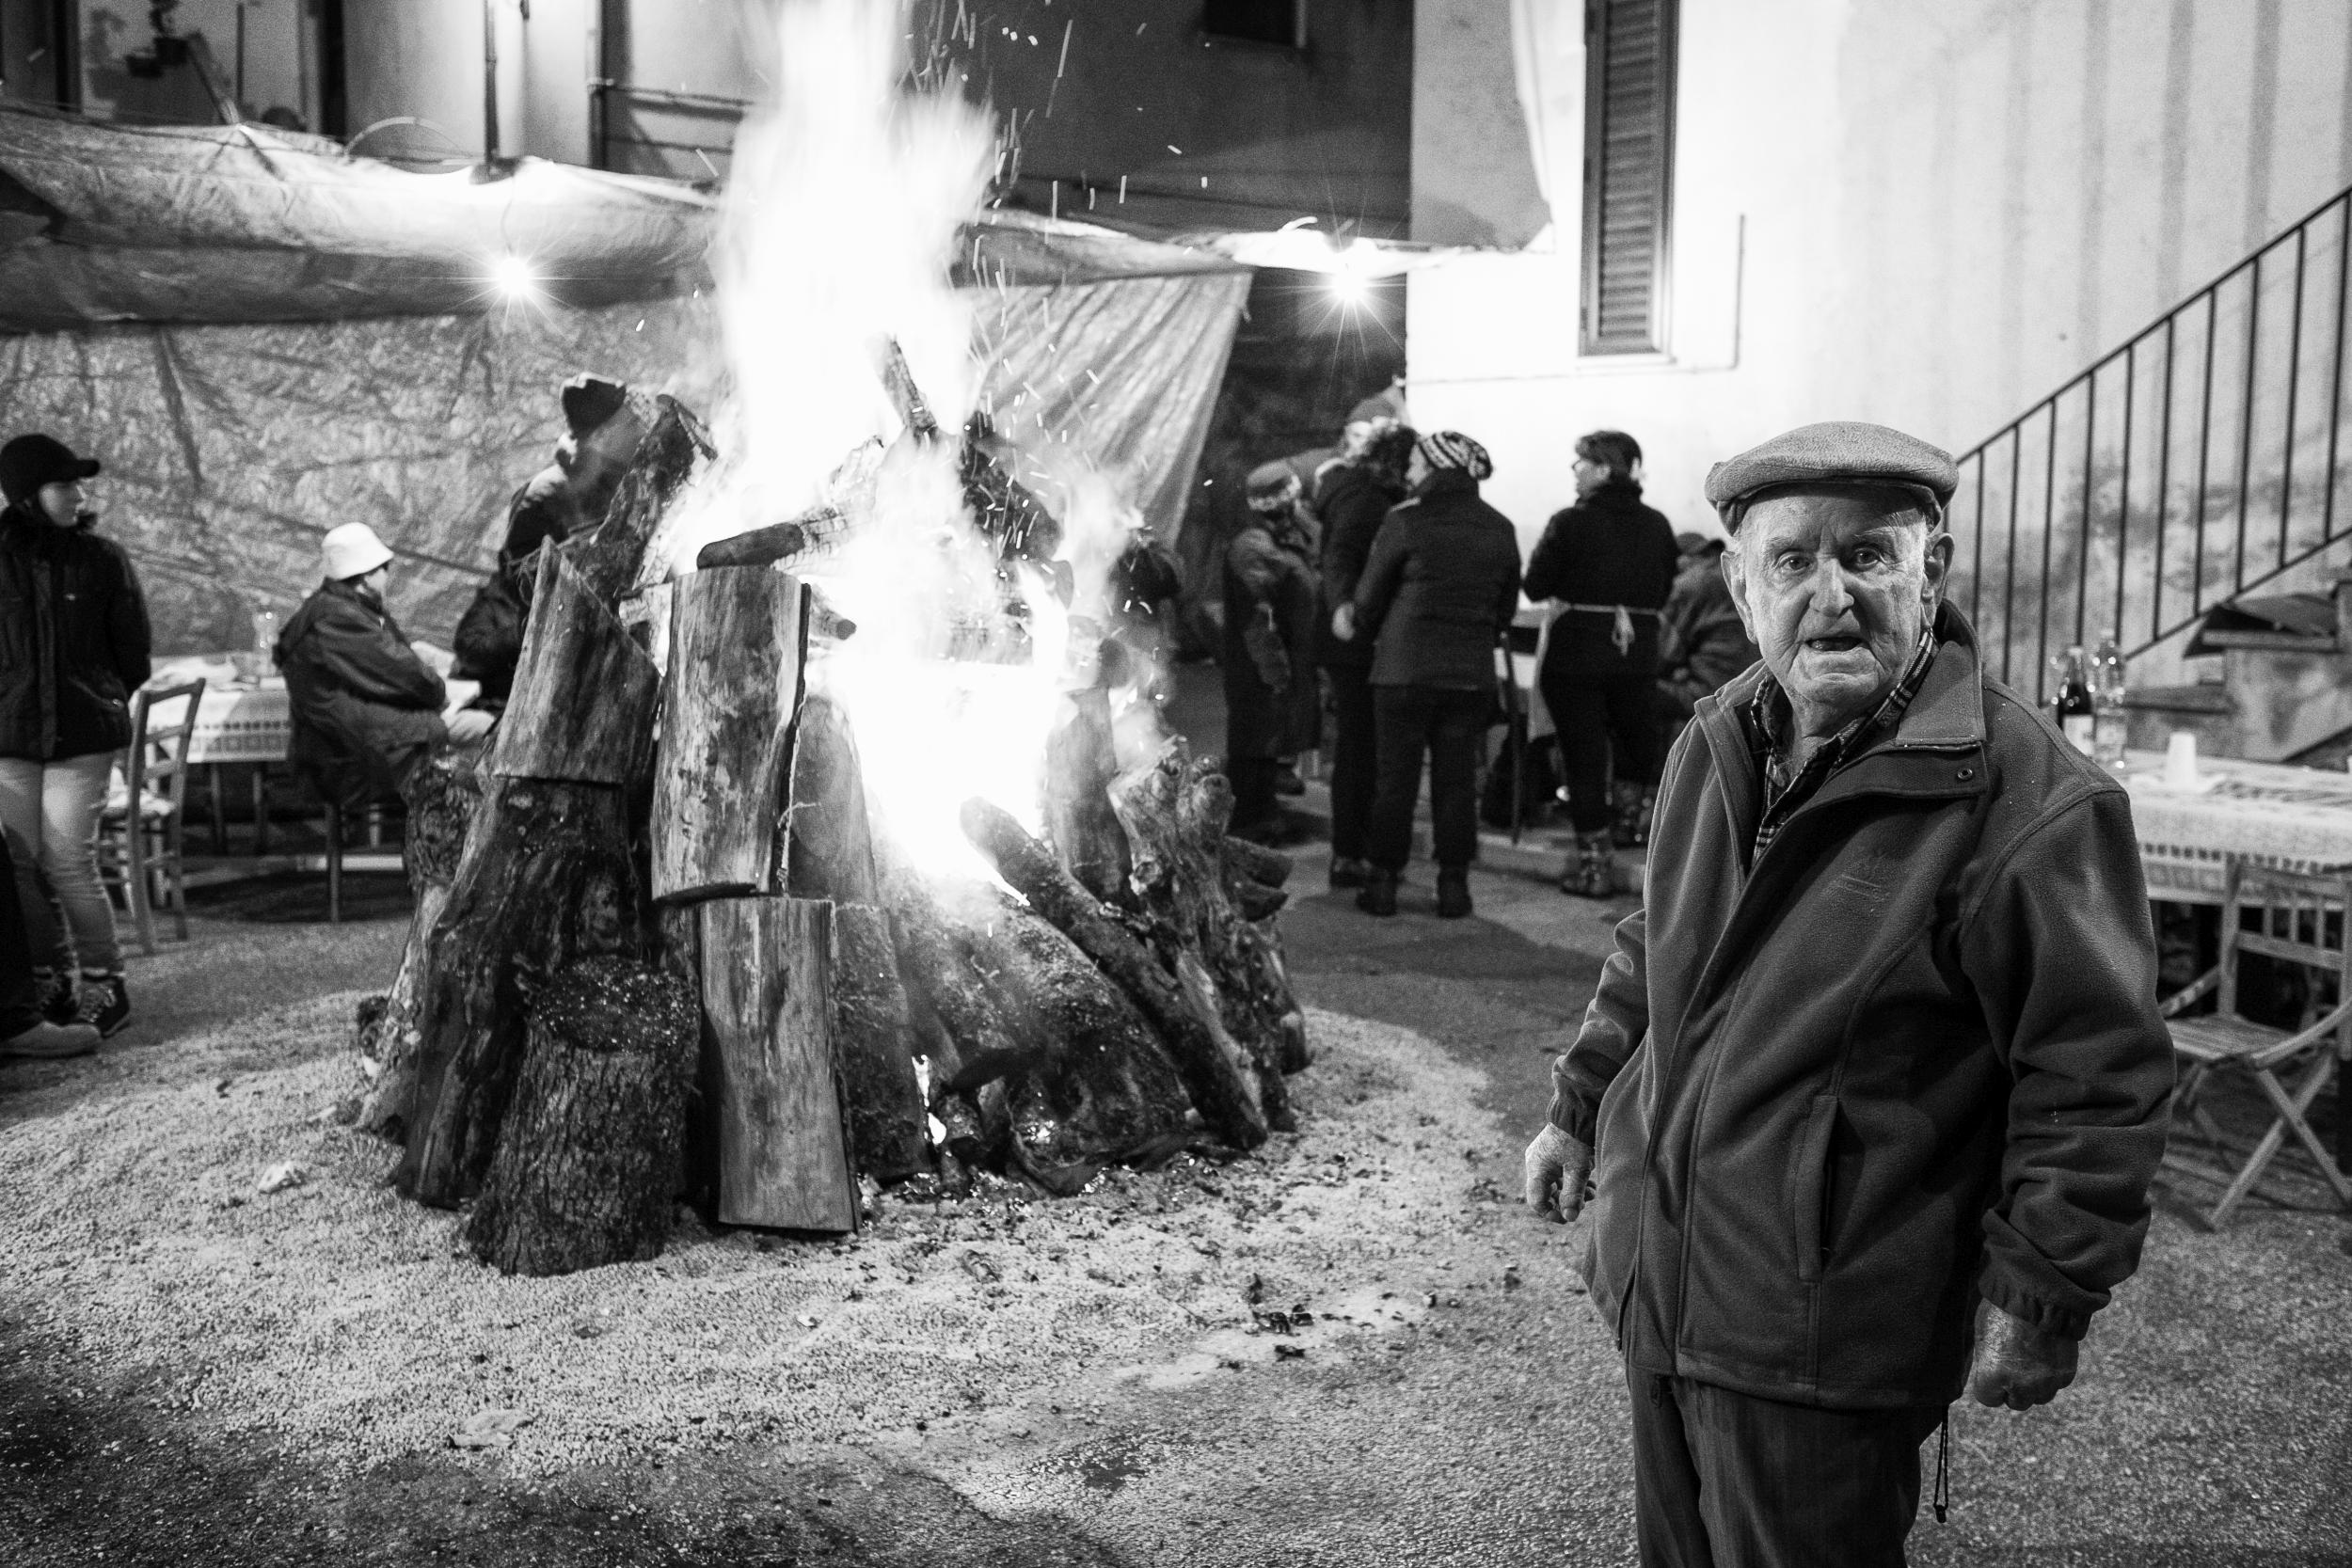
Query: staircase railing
2196	461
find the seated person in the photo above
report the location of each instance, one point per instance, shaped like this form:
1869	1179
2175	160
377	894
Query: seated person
1701	642
366	709
568	497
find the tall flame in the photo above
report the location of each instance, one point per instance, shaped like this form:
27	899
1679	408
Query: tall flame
842	219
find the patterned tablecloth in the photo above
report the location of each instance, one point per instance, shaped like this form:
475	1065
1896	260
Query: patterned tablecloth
2296	818
238	720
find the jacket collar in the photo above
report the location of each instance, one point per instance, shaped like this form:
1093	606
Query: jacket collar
1936	749
1446	482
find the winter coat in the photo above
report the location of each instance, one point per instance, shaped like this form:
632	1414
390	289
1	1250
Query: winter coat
1606	549
1353	501
73	640
1441	584
364	704
1701	642
488	641
1908	1056
1272	706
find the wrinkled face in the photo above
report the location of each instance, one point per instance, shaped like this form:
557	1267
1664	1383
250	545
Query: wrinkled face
63	502
1834	585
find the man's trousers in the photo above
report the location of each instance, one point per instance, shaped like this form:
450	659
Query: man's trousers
1729	1480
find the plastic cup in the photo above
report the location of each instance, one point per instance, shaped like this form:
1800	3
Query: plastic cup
2180	760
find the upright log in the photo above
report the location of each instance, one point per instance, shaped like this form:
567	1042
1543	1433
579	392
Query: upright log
959	1018
441	800
610	556
830	847
585	1165
547	879
875	1041
734	683
782	1159
1080	764
582	708
1218	1076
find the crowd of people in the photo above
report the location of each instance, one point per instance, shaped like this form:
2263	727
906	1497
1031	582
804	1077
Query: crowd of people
1378	567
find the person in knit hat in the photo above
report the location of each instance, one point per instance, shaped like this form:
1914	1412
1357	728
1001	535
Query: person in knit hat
73	647
366	709
1870	1095
1272	707
1441	587
601	432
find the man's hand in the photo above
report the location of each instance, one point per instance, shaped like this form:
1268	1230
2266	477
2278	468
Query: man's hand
2017	1364
470	726
1343	623
1558	1169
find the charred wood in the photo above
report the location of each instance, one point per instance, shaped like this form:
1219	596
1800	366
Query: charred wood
888	1132
830	844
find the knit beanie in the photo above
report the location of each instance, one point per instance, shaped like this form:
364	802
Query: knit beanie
1451	449
589	401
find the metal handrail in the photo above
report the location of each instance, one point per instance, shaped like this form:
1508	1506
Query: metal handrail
2112	510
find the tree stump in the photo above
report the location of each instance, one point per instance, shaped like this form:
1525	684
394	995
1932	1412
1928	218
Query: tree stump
1217	1075
734	684
889	1134
548	877
584	1172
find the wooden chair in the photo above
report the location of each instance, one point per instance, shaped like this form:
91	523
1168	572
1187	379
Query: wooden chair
2300	919
140	833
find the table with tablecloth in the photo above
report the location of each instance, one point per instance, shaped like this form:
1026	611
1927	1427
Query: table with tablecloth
2294	818
246	718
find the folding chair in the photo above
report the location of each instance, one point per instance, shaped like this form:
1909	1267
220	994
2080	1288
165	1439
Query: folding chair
2302	920
140	831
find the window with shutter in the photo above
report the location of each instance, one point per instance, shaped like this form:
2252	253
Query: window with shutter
1628	161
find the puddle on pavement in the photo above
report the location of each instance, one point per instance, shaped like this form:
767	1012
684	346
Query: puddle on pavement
1109	1464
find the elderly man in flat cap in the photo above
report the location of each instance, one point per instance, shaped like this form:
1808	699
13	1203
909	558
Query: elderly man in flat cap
1871	1091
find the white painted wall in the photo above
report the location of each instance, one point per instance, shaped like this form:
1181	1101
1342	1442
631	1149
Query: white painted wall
1927	216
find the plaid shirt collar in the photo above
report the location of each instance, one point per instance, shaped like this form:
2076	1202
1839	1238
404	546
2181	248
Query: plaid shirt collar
1787	786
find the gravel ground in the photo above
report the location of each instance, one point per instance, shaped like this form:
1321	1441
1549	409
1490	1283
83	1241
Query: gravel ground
183	1381
335	1319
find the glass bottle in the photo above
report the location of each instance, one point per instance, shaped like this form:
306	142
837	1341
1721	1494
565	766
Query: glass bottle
2071	704
2109	721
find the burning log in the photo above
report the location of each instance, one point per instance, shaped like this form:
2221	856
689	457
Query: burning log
735	640
1175	811
783	1155
1080	764
830	845
1219	1076
584	1170
777	541
874	1038
1103	1089
547	874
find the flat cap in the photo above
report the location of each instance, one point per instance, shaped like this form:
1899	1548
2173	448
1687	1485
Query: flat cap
1837	452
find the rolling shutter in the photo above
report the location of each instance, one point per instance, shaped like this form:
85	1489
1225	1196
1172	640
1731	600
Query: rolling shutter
1628	157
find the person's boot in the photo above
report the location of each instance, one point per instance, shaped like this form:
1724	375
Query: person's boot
1349	872
50	1040
1379	894
1594	872
104	1004
1630	828
1454	895
54	995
